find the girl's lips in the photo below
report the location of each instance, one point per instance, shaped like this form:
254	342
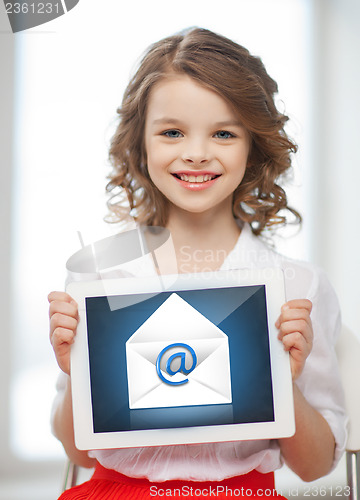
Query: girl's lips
198	182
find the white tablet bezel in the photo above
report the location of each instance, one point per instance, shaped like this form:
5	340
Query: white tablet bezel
284	422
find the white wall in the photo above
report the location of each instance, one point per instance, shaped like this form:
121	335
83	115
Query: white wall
336	165
12	469
6	123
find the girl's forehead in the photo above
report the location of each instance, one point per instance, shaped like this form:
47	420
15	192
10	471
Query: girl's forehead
178	81
179	91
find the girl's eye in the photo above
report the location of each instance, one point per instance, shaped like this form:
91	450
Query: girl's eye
224	134
173	134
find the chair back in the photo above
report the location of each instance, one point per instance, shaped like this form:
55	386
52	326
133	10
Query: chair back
348	352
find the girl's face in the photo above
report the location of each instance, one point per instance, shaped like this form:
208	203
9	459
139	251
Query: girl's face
196	148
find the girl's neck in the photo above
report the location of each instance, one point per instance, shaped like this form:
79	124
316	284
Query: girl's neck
202	241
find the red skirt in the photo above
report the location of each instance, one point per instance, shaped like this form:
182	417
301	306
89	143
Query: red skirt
108	484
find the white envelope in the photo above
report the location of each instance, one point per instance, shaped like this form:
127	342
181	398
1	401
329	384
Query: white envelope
176	321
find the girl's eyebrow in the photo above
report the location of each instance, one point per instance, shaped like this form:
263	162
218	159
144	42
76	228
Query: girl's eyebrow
225	123
229	123
166	120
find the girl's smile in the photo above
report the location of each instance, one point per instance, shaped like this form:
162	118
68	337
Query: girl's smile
196	148
196	180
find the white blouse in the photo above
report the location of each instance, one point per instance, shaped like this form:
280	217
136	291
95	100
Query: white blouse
319	382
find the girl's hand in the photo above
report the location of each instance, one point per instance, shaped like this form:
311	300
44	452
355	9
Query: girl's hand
296	333
63	312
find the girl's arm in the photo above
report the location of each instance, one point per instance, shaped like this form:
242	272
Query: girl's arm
310	452
63	314
63	428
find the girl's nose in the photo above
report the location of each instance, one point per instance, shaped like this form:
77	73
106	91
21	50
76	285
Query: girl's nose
196	153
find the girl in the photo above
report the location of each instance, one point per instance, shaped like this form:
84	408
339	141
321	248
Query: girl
198	149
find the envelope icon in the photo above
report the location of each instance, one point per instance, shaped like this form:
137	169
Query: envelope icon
177	357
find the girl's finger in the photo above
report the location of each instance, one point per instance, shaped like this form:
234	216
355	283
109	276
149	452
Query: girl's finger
62	336
301	326
292	314
59	320
63	296
296	341
66	308
298	304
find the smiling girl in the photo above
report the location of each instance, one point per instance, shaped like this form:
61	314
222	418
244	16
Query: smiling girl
198	150
195	162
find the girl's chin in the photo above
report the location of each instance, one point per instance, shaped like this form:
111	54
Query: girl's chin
204	210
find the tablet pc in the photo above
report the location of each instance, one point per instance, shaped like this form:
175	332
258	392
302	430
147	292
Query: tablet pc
188	358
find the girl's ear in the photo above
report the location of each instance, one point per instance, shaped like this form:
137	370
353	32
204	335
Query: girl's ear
143	160
249	162
143	167
143	152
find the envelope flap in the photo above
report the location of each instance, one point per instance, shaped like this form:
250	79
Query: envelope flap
214	371
142	376
176	319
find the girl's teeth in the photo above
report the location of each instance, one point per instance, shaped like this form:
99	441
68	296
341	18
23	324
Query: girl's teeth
198	178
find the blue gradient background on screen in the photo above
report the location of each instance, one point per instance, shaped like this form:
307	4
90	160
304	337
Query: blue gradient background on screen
239	312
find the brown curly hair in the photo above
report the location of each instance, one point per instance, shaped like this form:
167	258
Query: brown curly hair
241	79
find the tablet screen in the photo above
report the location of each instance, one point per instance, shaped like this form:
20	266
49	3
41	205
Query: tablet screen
179	359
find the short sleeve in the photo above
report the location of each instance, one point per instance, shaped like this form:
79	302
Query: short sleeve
320	381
